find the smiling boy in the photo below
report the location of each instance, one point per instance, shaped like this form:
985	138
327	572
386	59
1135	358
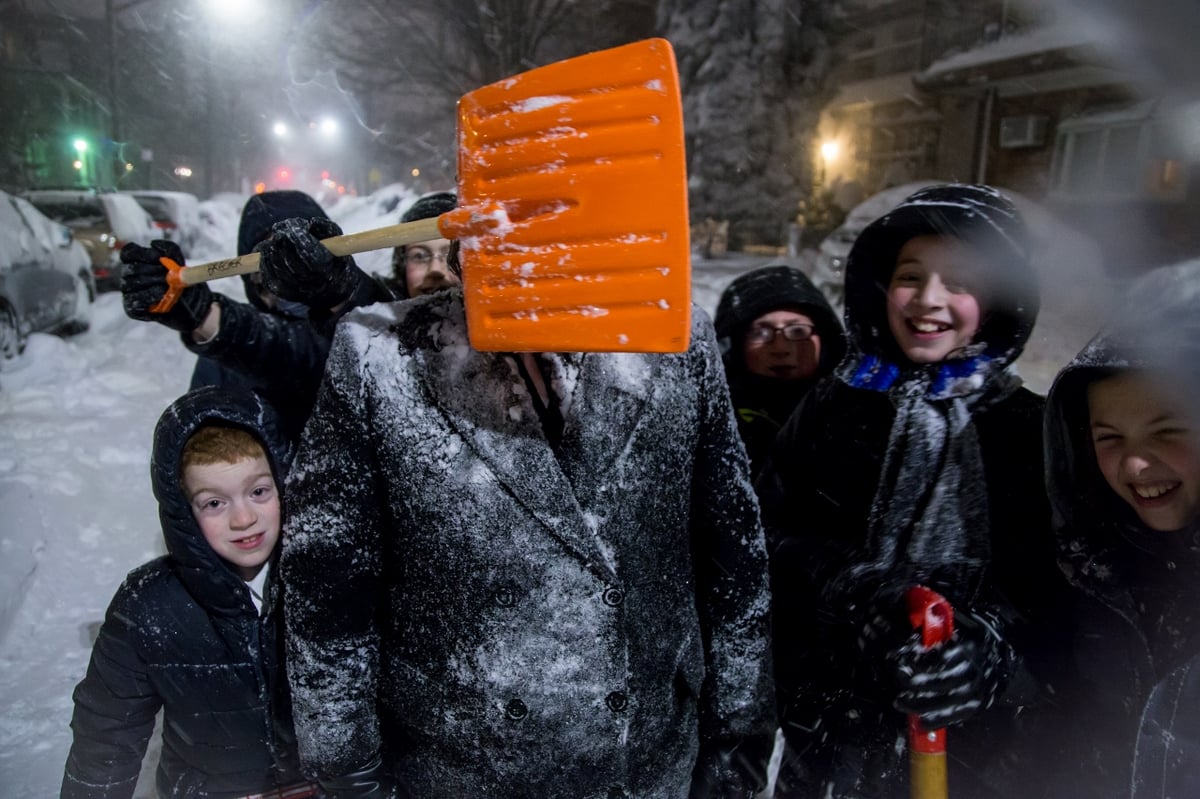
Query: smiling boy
233	496
932	311
1147	448
1123	473
197	633
917	463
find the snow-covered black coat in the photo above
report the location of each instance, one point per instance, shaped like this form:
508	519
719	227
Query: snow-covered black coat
183	635
502	619
821	489
1135	619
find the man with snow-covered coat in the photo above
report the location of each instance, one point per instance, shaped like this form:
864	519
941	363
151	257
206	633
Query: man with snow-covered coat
524	576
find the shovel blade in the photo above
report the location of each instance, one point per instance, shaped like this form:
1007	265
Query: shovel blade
580	166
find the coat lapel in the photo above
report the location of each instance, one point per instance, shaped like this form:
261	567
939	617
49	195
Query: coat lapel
483	398
610	393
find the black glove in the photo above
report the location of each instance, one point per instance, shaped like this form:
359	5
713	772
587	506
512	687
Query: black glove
951	682
884	628
372	780
297	267
144	283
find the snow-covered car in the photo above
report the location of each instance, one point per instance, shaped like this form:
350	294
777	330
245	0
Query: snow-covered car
68	254
102	222
829	269
176	214
38	290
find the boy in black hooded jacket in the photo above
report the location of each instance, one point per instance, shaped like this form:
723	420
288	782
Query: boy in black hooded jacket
1123	458
197	632
778	336
918	463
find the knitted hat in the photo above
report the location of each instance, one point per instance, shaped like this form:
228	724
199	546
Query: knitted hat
775	288
977	215
264	210
430	205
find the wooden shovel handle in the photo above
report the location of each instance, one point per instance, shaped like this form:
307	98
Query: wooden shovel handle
376	239
180	277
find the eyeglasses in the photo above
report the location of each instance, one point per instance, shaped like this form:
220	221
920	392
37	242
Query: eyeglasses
425	257
761	334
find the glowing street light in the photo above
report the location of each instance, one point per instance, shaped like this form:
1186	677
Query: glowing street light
80	145
232	12
281	130
329	126
830	149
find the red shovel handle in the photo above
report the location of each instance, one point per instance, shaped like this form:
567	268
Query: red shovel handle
931	614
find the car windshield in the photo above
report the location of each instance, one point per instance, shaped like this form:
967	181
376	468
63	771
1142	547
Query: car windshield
76	213
157	207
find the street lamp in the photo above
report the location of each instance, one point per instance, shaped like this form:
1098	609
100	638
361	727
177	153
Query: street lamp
281	130
234	12
830	149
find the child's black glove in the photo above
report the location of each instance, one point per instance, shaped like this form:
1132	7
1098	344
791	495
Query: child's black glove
951	682
144	283
297	266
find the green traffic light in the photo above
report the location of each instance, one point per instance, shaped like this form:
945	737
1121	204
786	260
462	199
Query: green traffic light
81	145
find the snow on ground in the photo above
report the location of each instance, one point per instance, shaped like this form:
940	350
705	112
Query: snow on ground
76	419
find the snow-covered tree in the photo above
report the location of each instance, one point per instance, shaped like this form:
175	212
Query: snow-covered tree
407	64
753	75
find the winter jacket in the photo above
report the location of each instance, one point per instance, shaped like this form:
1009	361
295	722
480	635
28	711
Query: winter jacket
276	350
506	619
762	404
280	355
820	494
182	635
1135	619
1167	758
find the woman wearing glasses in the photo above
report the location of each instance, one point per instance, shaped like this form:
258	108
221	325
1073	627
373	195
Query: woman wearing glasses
778	336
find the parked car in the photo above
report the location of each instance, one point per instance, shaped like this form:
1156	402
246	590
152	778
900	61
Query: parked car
102	222
829	271
40	286
68	254
176	214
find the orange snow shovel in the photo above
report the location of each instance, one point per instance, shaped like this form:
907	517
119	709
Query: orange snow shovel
931	613
572	214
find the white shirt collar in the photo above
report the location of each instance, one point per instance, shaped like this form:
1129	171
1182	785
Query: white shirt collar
257	585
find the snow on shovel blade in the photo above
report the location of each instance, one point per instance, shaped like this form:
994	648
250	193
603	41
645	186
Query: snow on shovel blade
574	223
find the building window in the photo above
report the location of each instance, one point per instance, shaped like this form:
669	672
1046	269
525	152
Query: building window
1115	158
